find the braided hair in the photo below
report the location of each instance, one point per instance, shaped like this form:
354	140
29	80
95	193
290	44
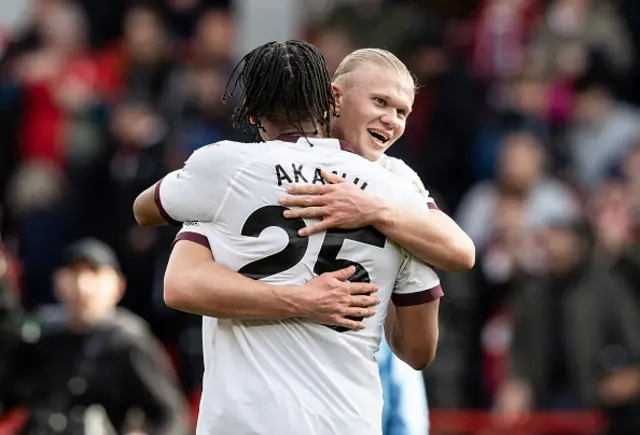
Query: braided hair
286	83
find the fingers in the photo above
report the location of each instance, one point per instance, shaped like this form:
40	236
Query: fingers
350	323
310	213
362	288
364	301
301	200
307	212
308	189
343	274
360	313
324	224
351	318
331	177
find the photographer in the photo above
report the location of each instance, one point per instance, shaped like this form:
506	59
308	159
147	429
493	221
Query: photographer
91	363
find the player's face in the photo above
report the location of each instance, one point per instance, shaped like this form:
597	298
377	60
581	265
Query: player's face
374	103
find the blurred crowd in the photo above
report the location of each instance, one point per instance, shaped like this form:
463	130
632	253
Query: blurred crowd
526	129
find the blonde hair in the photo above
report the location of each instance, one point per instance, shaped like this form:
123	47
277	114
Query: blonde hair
377	56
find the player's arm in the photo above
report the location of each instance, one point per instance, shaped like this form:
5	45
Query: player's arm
145	210
186	194
411	325
412	332
196	284
429	234
432	236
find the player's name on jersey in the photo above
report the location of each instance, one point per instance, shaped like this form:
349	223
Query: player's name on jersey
300	174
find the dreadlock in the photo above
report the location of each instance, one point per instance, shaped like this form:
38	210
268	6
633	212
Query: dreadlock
285	82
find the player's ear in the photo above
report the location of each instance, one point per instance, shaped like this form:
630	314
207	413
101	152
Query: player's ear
252	120
337	94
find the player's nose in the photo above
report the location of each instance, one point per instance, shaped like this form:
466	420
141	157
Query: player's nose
390	123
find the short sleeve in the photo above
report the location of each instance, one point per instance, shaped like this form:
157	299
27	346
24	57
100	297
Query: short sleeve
431	203
417	283
195	192
193	232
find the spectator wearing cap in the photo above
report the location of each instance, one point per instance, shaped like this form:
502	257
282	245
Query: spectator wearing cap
88	364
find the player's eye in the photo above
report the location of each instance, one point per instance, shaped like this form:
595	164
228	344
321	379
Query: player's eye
380	101
402	113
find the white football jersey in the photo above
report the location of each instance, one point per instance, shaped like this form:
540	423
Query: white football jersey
293	376
402	170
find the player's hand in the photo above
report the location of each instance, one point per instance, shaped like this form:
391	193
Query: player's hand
330	299
340	204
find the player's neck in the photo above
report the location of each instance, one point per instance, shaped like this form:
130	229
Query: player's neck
293	135
272	132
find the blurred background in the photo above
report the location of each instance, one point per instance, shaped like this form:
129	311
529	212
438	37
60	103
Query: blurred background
526	129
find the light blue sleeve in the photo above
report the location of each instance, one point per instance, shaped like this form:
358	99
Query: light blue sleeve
405	410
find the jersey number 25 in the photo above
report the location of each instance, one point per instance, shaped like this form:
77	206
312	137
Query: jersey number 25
296	249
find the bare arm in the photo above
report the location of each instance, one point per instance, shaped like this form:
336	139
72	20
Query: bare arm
431	236
412	332
146	211
196	284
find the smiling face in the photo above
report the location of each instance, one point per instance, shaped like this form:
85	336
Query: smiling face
374	102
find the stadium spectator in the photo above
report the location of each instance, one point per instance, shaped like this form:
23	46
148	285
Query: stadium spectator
564	321
87	365
93	106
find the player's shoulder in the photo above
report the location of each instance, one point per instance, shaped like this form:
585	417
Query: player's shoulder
212	150
397	167
371	168
222	154
386	182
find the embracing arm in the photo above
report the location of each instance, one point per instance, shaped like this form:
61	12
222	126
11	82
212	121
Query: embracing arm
429	234
146	211
432	236
412	332
195	283
411	325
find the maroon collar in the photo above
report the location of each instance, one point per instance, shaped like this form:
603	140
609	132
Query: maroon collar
344	146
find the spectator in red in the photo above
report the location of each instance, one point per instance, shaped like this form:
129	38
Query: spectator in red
501	37
57	81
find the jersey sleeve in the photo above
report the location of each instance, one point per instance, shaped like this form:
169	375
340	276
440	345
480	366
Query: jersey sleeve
193	232
416	284
431	203
194	192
